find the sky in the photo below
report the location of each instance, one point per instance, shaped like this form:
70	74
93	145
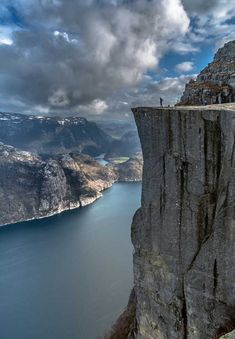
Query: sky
99	58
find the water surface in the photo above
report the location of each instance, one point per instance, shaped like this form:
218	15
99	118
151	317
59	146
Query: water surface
68	276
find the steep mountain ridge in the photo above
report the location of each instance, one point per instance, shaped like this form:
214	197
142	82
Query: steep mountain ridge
215	84
51	135
33	186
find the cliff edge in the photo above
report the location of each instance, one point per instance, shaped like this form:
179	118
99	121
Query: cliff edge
184	233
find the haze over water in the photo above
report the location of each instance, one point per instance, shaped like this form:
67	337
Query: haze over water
69	276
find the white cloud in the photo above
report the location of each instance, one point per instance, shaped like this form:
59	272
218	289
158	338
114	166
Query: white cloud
5	41
211	17
96	107
41	109
117	43
185	66
99	56
182	47
169	88
64	36
6	35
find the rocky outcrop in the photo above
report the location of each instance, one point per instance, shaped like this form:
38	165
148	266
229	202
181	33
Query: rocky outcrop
216	83
130	170
230	335
33	187
184	233
51	135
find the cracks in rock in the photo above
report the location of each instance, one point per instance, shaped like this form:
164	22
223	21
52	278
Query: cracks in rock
184	314
209	201
183	179
183	185
215	277
169	131
212	155
233	152
163	189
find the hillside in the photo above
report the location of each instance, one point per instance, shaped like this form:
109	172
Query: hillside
51	135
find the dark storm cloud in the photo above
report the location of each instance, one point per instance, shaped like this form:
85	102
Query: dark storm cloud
86	56
200	6
71	54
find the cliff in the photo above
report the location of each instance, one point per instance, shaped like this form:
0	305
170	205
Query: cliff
130	170
184	234
33	187
215	84
51	135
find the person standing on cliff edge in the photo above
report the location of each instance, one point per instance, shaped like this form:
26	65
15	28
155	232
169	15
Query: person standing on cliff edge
161	102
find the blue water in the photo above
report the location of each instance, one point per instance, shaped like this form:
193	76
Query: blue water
100	160
68	276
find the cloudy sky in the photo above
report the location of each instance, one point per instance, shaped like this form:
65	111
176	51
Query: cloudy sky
98	58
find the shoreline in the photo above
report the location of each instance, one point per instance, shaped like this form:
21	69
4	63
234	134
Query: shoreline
90	201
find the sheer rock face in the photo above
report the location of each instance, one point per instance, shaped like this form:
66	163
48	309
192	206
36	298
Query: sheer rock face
184	233
216	83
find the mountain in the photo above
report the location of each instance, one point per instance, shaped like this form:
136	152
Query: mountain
130	170
127	146
215	84
117	128
33	186
51	135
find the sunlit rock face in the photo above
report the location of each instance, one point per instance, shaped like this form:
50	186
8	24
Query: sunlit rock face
184	232
216	83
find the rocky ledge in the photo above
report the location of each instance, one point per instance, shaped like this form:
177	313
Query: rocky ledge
184	234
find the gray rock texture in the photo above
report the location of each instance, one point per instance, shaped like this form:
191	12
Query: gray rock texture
130	170
216	83
53	135
32	187
184	232
230	335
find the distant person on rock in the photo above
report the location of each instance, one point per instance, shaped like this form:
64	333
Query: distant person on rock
161	102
